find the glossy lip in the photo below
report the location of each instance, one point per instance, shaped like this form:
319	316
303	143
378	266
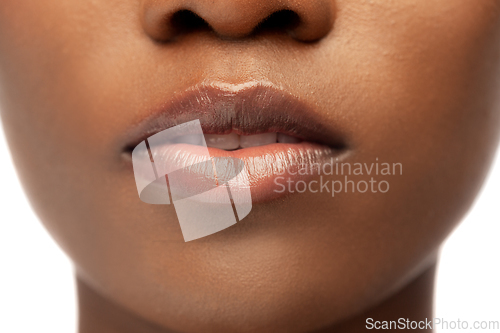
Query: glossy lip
247	109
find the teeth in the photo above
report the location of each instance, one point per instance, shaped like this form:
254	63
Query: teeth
226	142
190	139
234	141
283	138
247	141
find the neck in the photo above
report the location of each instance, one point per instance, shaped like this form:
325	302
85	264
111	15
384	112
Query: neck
98	314
413	302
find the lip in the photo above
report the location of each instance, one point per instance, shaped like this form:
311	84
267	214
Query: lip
252	108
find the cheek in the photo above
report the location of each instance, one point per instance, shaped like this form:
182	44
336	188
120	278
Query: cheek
417	80
54	107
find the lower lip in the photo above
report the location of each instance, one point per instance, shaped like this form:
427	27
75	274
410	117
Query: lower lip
263	164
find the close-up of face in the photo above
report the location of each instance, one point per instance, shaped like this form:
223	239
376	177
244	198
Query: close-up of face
406	86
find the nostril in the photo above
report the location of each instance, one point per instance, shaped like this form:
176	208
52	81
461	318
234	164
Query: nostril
185	21
280	21
304	21
163	26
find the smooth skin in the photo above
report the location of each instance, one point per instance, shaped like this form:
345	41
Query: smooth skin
407	81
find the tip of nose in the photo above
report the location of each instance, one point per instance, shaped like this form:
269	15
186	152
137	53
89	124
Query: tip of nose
309	24
283	21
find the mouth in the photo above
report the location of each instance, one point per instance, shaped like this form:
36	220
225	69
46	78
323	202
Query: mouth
271	131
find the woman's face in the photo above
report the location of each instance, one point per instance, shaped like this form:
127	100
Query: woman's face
408	81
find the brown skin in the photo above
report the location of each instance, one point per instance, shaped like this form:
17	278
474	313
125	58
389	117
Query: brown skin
407	81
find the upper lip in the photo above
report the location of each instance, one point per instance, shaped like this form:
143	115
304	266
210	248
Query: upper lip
245	109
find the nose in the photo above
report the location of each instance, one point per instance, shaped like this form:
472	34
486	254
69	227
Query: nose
304	20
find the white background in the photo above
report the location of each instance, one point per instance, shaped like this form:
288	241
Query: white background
37	290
